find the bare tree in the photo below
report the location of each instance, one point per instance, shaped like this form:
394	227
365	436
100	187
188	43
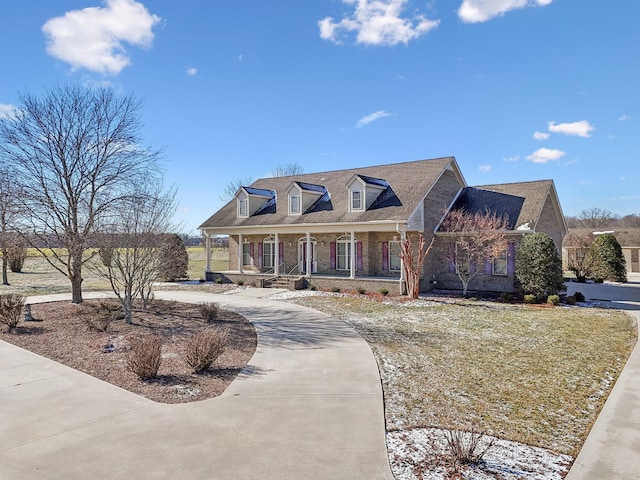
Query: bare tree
413	251
10	209
131	252
595	217
287	169
233	186
477	238
79	157
579	261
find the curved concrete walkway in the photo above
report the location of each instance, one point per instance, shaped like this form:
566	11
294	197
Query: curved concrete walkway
612	449
309	406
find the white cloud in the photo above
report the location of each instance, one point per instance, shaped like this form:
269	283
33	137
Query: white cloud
92	38
6	110
511	159
579	129
191	71
475	11
485	168
377	22
625	117
545	155
540	135
372	118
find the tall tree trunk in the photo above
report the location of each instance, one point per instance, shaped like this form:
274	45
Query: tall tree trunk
5	260
76	288
75	274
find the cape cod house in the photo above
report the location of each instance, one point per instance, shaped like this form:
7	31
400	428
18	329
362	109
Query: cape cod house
341	229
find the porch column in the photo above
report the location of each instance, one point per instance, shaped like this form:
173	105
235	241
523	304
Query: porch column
207	247
240	240
352	246
276	267
403	236
403	282
308	256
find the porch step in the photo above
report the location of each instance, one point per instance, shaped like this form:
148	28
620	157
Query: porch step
279	282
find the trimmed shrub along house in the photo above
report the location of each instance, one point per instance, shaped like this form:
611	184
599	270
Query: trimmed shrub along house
341	229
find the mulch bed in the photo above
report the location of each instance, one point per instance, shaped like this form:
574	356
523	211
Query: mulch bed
62	333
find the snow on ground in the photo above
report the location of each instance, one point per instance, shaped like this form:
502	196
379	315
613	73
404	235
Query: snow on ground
421	453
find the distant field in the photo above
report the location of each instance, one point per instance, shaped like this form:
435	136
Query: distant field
40	277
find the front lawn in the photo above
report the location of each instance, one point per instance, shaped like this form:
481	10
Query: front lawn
537	375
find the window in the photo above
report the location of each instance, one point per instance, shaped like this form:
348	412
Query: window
394	257
356	200
242	207
246	254
500	264
343	253
294	204
462	258
268	252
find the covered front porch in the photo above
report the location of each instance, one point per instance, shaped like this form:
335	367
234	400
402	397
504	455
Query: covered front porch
365	259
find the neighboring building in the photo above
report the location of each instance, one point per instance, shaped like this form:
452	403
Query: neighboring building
342	228
628	238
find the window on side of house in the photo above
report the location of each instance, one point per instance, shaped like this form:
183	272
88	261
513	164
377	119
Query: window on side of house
343	253
500	264
394	257
268	252
462	259
246	254
294	204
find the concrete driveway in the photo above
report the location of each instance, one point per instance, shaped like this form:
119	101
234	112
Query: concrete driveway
612	449
309	406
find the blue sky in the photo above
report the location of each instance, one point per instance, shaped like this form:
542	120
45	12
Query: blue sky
515	89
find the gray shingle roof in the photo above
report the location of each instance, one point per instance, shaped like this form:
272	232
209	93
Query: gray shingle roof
477	200
409	182
534	193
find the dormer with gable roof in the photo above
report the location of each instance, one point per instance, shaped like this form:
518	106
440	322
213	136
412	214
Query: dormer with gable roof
303	196
363	191
251	201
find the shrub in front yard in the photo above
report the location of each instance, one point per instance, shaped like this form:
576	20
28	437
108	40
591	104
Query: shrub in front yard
16	257
209	311
571	300
579	296
144	356
11	306
608	259
553	299
530	299
335	290
384	291
538	266
106	314
361	290
203	348
464	447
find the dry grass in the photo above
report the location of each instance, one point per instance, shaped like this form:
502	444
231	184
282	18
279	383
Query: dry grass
538	375
38	277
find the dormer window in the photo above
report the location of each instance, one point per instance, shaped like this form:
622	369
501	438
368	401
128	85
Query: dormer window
294	204
243	210
356	200
364	191
304	196
254	201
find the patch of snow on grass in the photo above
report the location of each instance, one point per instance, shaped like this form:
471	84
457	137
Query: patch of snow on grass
421	453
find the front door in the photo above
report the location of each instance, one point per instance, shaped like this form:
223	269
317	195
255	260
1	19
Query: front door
302	255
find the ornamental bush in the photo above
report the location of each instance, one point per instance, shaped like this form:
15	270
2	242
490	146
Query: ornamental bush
174	259
608	259
538	266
